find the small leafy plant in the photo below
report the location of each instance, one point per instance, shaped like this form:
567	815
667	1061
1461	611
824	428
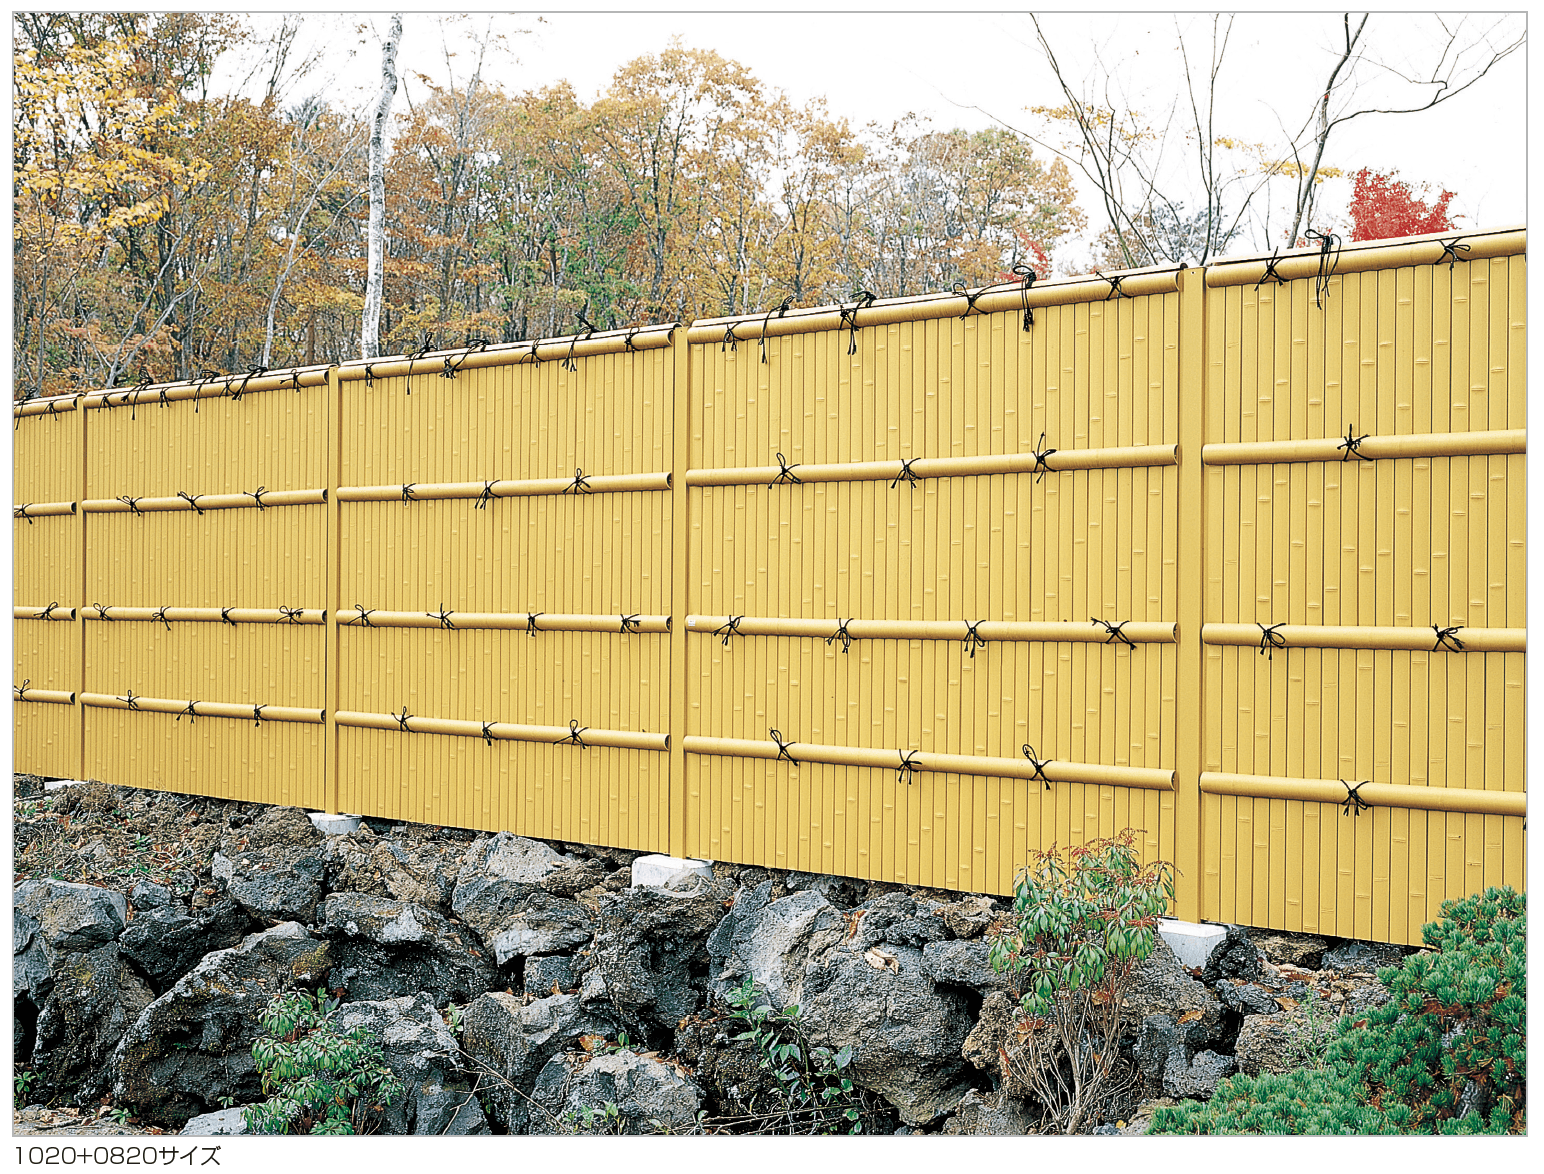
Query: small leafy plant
24	1081
1082	919
316	1079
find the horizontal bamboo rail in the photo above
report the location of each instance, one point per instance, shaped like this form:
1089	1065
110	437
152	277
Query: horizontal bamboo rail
504	731
579	346
1506	442
47	405
1362	258
207	501
1454	799
964	764
43	509
50	611
47	696
214	387
359	617
1005	296
1063	460
209	615
276	713
579	483
1155	632
1377	638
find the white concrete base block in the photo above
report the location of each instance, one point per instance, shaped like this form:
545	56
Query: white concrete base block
1192	944
334	825
61	784
657	871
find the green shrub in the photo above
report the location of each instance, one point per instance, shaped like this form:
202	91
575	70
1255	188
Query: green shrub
316	1080
1446	1054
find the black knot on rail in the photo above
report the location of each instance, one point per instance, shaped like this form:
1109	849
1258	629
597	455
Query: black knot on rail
779	310
1038	763
369	375
487	733
1042	457
412	356
101	610
589	328
443	616
21	512
1329	257
251	374
292	614
909	765
257	715
627	342
1270	639
973	639
131	701
959	290
1352	444
402	719
407	491
21	690
572	738
47	612
1450	251
1271	273
160	614
906	474
729	340
190	711
1115	289
192	500
1027	278
785	474
841	634
782	746
452	367
133	504
531	356
1353	803
732	628
161	398
630	624
364	615
257	496
485	496
530	622
1446	636
225	615
580	483
1114	631
849	317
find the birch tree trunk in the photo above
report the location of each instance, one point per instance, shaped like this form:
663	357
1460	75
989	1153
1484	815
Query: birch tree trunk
370	325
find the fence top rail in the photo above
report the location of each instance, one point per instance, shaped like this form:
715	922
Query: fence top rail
210	386
449	361
1362	256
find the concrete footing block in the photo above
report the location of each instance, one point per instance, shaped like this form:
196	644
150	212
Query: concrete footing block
61	784
334	825
1192	943
657	871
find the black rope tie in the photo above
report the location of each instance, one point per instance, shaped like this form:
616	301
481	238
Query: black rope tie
191	712
133	504
628	341
589	329
782	746
779	310
580	483
192	500
1329	257
407	491
572	738
292	614
1115	289
1042	460
21	690
729	340
906	474
473	346
1353	803
630	624
369	376
47	612
225	615
21	512
401	720
413	356
242	390
257	715
1446	636
1114	631
849	318
973	638
530	623
163	400
101	610
1450	251
786	475
443	616
257	496
364	615
841	634
131	701
487	733
959	290
1038	763
1352	444
1270	639
485	496
160	614
1028	275
908	766
1270	273
732	628
532	355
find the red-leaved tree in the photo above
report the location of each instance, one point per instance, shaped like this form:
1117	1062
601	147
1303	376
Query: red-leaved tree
1383	206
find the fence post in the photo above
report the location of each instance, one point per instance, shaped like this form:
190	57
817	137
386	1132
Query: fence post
1191	702
680	420
82	587
333	538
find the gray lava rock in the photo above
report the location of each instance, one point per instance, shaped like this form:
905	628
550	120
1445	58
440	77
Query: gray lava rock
542	974
514	1040
95	998
1296	949
1159	1043
165	943
1199	1078
193	1045
573	879
992	1031
149	895
279	881
32	968
1161	986
498	874
544	924
384	949
223	1123
1247	998
1276	1043
842	891
900	920
1233	957
992	1114
71	917
420	871
643	1089
770	941
420	1051
964	964
1361	956
968	918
